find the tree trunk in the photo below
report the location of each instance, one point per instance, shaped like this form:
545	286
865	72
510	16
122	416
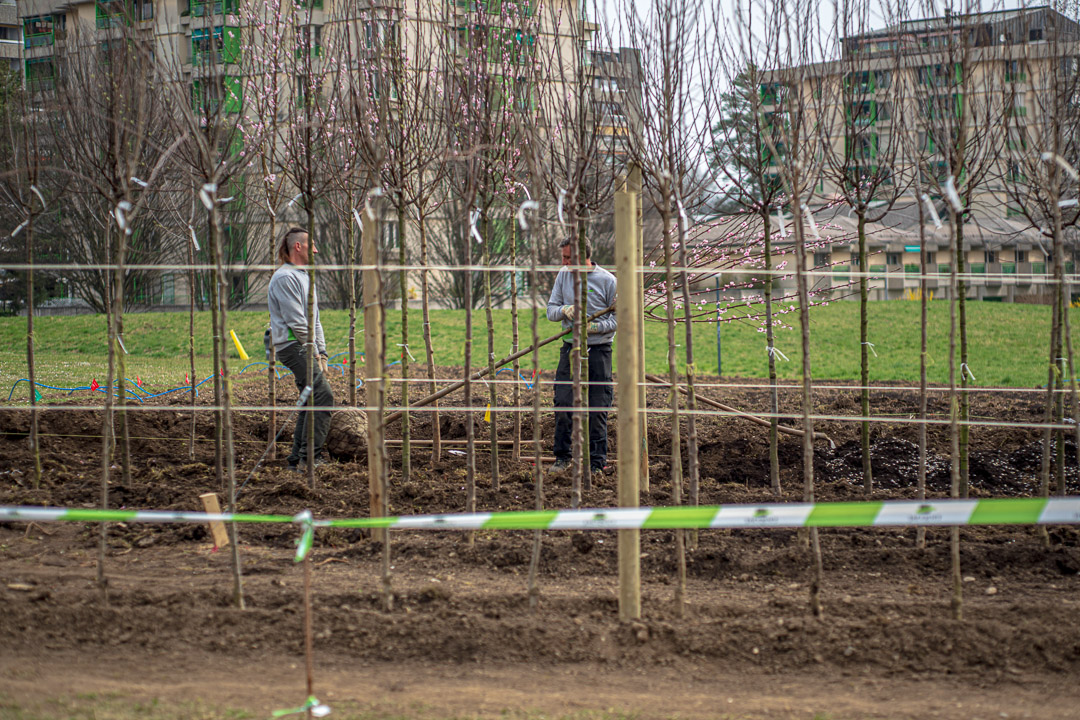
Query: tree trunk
191	350
309	313
403	281
515	453
271	357
691	394
808	427
34	442
493	397
221	295
920	491
352	311
1053	374
118	324
954	429
538	467
215	309
577	257
425	302
864	357
965	371
770	339
676	440
106	429
583	312
470	439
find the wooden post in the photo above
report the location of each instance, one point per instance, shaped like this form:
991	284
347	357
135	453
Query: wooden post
217	528
628	313
633	187
374	370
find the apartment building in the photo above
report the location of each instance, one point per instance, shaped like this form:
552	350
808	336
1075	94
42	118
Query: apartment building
890	102
616	88
217	46
11	38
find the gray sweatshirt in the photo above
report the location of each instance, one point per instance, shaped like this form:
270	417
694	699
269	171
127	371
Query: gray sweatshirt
287	297
601	295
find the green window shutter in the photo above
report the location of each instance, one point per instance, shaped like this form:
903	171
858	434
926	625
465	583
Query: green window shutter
231	46
493	7
197	37
234	94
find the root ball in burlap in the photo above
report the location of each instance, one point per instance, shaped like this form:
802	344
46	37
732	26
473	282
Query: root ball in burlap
347	437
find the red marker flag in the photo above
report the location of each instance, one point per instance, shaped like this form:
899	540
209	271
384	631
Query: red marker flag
138	381
94	385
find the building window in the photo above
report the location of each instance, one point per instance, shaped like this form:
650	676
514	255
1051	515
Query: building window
821	259
200	8
382	35
309	41
1014	71
40	74
1016	173
990	256
218	46
892	258
1035	34
110	13
40	30
930	257
1017	109
1017	139
1021	256
523	95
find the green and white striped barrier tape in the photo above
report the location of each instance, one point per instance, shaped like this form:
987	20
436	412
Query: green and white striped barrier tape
1006	511
318	710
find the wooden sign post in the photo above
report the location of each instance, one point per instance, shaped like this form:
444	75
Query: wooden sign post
217	528
628	313
374	364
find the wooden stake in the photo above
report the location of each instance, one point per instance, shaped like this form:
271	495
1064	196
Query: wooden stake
217	528
374	386
628	312
633	187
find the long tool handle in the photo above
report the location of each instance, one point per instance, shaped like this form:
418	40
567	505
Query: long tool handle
481	373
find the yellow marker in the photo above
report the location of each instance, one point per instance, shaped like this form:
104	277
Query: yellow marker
239	347
487	414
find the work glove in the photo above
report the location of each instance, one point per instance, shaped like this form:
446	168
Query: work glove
568	312
594	328
322	363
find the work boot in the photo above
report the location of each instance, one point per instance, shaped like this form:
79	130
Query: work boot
561	464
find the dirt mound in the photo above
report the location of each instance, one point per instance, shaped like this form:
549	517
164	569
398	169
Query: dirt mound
463	598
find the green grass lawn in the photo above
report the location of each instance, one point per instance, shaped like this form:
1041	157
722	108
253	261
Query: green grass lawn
1008	344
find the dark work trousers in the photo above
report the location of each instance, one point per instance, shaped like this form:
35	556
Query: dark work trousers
601	392
294	357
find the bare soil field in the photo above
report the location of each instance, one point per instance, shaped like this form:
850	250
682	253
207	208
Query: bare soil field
462	641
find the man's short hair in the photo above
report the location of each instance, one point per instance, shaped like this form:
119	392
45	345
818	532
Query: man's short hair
567	242
286	238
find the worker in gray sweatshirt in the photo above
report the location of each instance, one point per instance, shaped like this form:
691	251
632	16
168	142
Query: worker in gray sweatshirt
287	297
562	307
